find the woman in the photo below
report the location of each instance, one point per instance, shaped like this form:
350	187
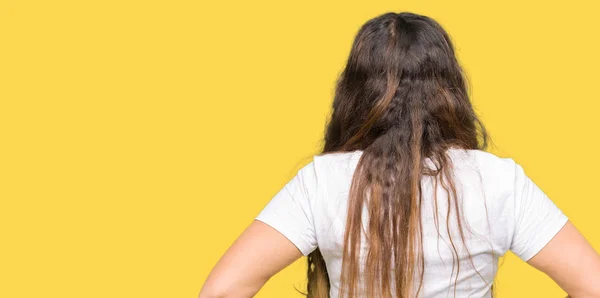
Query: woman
403	201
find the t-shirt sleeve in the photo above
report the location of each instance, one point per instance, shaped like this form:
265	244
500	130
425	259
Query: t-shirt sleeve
289	211
537	218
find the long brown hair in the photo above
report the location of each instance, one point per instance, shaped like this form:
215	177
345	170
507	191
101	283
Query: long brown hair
401	98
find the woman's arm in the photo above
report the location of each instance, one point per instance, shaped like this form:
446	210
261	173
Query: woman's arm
258	253
571	262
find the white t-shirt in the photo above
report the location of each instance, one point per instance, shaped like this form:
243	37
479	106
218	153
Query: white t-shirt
502	206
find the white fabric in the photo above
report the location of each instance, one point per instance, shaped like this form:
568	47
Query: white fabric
501	205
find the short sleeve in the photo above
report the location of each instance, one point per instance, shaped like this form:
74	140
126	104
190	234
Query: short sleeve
537	218
289	211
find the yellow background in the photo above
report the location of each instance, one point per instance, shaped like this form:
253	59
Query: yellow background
139	138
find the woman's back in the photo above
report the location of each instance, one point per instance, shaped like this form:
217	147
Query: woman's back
501	210
387	209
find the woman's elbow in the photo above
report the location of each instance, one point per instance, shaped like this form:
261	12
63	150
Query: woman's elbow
591	293
216	290
213	290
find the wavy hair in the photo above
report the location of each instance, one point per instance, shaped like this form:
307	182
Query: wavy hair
401	98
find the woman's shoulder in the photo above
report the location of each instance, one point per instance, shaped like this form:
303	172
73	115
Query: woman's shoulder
497	173
337	160
339	155
484	160
488	164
